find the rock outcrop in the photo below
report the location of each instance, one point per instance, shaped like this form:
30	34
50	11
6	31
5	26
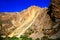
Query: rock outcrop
56	8
17	23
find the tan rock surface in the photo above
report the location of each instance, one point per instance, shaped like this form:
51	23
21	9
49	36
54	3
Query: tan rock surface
17	23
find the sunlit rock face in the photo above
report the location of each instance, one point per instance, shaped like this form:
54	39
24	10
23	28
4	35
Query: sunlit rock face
16	23
43	21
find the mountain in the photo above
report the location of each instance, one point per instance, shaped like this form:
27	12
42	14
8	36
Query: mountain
17	23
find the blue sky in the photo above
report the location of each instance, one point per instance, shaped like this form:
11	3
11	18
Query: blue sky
19	5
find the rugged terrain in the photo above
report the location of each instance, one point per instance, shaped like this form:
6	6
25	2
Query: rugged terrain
34	22
17	23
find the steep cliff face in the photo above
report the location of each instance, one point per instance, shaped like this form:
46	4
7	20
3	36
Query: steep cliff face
43	21
56	8
17	23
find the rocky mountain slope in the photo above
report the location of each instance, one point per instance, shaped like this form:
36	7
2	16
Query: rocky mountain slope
17	23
